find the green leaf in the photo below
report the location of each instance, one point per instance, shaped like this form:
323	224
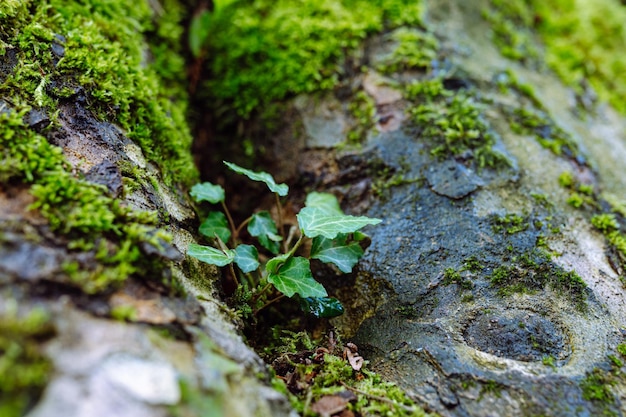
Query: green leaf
314	222
211	255
294	276
321	307
325	201
246	258
207	192
337	251
215	225
275	263
199	30
263	227
280	189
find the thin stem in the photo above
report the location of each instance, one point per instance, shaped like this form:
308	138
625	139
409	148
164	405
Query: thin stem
379	398
242	225
279	224
233	229
258	294
296	246
232	271
272	301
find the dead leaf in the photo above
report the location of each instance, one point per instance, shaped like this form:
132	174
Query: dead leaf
329	405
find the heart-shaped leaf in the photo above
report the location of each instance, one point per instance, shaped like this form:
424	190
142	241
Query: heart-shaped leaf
263	227
314	222
337	251
280	189
211	255
294	276
216	225
207	192
321	307
246	258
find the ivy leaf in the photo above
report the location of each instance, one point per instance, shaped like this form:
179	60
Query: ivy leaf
280	189
314	222
246	258
275	263
321	307
207	192
215	224
337	251
325	201
294	276
211	255
199	30
263	227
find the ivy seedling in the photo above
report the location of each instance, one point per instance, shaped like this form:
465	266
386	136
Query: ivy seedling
334	236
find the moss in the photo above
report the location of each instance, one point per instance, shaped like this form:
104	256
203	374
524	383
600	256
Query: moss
451	276
416	50
596	387
334	375
363	110
533	271
25	371
258	53
510	223
507	19
621	348
583	40
68	49
453	123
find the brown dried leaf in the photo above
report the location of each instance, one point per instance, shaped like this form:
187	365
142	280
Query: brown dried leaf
356	361
329	405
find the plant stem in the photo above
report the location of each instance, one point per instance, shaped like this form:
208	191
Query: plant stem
272	301
233	229
241	226
295	247
279	224
258	294
379	398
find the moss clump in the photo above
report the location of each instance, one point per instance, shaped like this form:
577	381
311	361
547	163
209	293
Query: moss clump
363	110
24	369
91	53
80	210
454	122
259	53
416	50
510	223
507	19
64	49
583	40
307	377
596	387
534	271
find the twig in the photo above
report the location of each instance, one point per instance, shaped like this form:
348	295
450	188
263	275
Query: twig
379	398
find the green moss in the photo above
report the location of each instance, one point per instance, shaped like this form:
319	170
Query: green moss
451	276
25	371
621	348
416	50
334	375
583	40
533	271
102	58
510	223
596	387
507	19
259	53
453	123
103	54
363	110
